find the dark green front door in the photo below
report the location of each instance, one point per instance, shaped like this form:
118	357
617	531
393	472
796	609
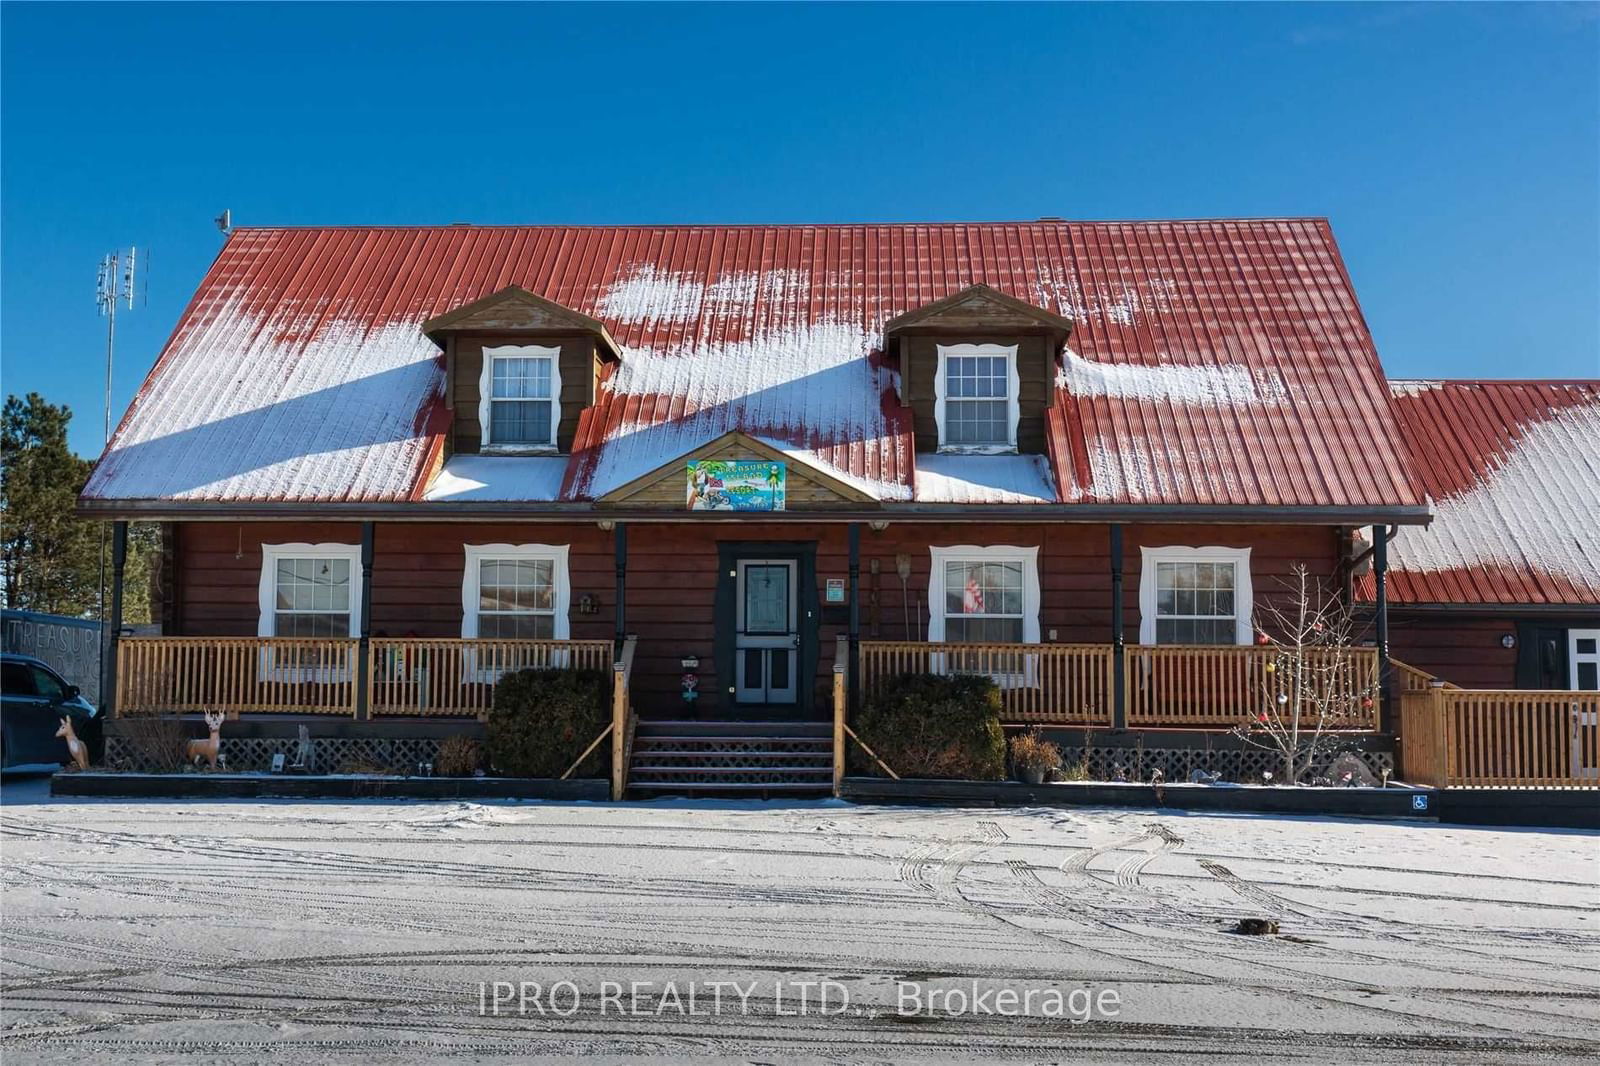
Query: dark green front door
767	616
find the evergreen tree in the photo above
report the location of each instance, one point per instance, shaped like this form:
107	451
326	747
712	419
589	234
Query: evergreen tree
50	559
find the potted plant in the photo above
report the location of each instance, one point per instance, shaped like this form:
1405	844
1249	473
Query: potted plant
1032	756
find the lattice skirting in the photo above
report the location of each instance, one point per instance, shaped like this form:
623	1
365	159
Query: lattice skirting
1177	764
329	755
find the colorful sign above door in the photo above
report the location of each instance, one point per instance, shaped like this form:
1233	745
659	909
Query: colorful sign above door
736	485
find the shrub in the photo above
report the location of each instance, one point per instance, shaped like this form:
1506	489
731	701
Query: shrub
458	757
930	725
543	719
1031	751
156	744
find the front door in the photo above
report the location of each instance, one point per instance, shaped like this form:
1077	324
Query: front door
767	632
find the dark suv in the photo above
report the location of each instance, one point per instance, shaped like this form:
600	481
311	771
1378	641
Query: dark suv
33	700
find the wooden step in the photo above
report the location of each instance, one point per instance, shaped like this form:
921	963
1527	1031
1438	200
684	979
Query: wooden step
786	756
671	787
712	728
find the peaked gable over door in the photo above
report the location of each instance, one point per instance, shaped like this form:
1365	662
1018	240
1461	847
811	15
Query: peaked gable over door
807	486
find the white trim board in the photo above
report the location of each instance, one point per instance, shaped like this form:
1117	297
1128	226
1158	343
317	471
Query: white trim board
486	387
477	553
266	593
1243	595
1013	388
1029	557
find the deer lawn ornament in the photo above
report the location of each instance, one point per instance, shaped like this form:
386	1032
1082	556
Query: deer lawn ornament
75	747
207	749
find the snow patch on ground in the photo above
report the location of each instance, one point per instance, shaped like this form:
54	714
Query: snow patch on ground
291	406
535	478
1216	385
947	478
650	294
361	931
1538	507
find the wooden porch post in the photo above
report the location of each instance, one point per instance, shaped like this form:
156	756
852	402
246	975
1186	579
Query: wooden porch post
1119	675
1380	607
853	674
364	652
619	542
108	673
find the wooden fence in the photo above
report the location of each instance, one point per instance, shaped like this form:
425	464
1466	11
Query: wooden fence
1177	686
1501	738
1058	684
451	677
405	677
236	675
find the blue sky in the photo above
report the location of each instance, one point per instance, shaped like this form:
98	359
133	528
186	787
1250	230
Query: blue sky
1456	148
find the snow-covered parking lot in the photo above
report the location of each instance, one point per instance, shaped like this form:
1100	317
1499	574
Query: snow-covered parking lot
747	932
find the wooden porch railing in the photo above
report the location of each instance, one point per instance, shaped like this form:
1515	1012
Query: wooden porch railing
1065	684
1177	686
622	719
454	677
163	675
1514	738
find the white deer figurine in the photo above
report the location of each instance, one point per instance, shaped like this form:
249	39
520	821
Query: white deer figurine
75	747
207	749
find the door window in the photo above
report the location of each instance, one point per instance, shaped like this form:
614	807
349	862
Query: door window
766	598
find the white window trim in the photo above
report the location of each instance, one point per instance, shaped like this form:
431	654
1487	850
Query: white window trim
267	596
1013	406
1029	558
477	554
486	388
1243	596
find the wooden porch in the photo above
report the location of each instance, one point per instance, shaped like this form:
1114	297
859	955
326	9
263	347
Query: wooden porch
1165	687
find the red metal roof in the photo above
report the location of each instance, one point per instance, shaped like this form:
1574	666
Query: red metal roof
1513	470
1220	362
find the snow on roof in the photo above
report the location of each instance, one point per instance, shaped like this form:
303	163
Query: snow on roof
1514	472
471	478
947	478
651	295
1169	381
801	389
1220	362
286	405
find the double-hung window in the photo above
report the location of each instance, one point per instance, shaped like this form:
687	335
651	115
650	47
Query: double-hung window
985	595
1195	596
310	591
975	394
514	592
520	392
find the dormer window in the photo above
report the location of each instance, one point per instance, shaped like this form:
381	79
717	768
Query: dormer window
519	392
976	397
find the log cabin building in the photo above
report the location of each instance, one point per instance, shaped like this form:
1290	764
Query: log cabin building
1502	589
735	463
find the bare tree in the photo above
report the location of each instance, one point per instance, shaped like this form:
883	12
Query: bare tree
1315	681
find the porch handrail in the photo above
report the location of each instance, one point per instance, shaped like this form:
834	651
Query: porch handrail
622	717
236	675
1511	738
455	676
1066	684
1211	686
841	705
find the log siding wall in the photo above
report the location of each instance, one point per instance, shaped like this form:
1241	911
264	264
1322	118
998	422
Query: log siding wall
672	579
